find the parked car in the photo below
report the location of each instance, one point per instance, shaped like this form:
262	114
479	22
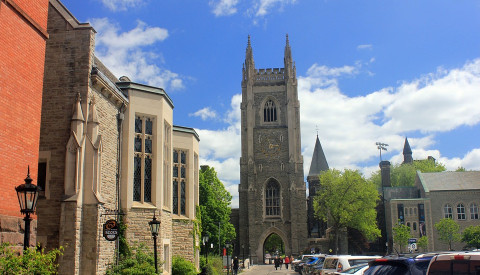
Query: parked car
308	268
462	263
400	265
356	270
299	266
341	262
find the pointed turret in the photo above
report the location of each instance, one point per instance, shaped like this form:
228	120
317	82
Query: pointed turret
77	118
93	123
249	65
407	152
287	59
319	162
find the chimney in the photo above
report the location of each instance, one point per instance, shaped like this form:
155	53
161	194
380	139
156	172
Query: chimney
385	173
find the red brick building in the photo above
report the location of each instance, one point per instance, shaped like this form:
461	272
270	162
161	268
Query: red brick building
23	35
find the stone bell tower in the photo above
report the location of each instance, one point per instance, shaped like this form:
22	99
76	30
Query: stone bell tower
272	190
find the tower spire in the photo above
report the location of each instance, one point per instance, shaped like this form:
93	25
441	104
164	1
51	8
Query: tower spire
249	65
289	67
407	152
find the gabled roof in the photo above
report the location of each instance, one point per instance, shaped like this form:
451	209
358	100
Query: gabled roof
319	162
450	181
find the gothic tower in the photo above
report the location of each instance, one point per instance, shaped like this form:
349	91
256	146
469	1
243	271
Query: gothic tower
272	188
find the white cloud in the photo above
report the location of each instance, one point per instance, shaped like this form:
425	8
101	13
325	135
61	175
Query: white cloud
365	47
263	7
121	5
350	126
224	7
127	53
205	113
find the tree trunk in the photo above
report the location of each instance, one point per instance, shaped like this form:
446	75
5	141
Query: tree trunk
336	241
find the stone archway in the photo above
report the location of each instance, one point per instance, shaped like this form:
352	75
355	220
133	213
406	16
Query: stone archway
263	238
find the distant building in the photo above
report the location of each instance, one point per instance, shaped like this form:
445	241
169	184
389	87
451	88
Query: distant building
23	35
108	146
434	196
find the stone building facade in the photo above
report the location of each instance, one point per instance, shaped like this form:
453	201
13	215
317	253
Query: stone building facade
109	145
23	35
434	196
272	192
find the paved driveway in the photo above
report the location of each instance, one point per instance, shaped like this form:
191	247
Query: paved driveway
266	270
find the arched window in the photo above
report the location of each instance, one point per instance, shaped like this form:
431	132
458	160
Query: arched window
415	226
272	199
474	211
461	212
269	111
448	211
408	224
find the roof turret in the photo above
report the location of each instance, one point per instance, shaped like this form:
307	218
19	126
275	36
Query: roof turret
319	162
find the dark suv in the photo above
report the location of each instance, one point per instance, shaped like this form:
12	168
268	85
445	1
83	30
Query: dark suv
399	265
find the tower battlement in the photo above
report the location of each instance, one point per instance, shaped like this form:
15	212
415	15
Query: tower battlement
270	74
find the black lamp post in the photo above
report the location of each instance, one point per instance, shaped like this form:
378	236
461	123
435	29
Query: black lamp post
243	255
154	228
227	244
205	241
27	194
249	256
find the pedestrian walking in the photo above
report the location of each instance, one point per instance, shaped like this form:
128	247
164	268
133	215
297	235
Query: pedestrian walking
291	261
286	261
276	261
280	262
235	266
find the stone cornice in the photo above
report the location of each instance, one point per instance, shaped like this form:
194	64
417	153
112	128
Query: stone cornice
107	88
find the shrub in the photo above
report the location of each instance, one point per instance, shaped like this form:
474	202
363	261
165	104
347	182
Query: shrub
180	266
32	261
137	262
214	266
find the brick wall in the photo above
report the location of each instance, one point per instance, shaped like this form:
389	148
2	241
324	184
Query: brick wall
22	53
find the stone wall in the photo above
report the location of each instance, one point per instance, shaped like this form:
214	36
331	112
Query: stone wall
183	243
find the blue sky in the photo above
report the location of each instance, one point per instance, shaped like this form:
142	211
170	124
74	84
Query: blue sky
367	71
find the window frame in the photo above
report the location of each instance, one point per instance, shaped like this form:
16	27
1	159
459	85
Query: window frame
461	212
145	182
473	211
449	213
180	182
272	206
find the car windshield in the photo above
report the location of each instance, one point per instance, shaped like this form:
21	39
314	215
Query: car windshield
353	269
386	269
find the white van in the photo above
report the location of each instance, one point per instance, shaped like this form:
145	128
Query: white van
341	262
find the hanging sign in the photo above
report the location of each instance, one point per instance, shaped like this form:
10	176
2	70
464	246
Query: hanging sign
111	230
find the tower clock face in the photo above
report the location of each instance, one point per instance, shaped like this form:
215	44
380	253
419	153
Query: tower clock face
270	145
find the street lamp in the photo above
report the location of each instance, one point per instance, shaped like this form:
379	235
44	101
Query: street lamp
27	194
154	228
249	256
227	245
243	255
205	241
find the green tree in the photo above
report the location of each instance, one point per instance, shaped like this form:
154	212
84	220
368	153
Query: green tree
471	236
404	174
346	199
215	209
401	234
423	243
32	261
274	243
460	169
448	231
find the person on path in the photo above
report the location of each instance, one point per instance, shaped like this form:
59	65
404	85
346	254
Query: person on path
286	261
291	261
276	261
235	266
280	262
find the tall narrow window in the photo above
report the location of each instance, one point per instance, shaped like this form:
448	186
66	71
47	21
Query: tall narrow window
474	211
461	212
269	111
272	199
179	182
167	157
447	211
142	161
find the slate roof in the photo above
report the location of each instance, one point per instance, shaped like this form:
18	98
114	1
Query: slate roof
450	181
319	162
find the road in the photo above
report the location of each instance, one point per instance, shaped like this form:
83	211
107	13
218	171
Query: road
266	270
